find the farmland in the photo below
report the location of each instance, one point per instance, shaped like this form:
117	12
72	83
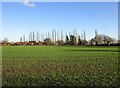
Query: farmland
60	66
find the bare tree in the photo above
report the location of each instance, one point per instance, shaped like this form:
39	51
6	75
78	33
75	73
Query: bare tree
20	39
55	36
42	37
49	35
52	36
69	35
33	36
61	35
58	36
96	37
30	36
84	38
72	37
5	40
24	37
37	36
76	36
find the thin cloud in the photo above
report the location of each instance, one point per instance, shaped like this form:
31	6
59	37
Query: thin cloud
27	3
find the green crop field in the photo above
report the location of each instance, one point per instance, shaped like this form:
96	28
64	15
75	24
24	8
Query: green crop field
60	66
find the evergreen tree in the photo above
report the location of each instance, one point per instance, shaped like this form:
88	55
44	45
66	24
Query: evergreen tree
67	40
79	40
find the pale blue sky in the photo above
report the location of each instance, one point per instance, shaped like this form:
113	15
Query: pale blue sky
19	19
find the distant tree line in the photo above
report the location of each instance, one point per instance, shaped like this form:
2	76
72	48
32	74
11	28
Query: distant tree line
56	38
